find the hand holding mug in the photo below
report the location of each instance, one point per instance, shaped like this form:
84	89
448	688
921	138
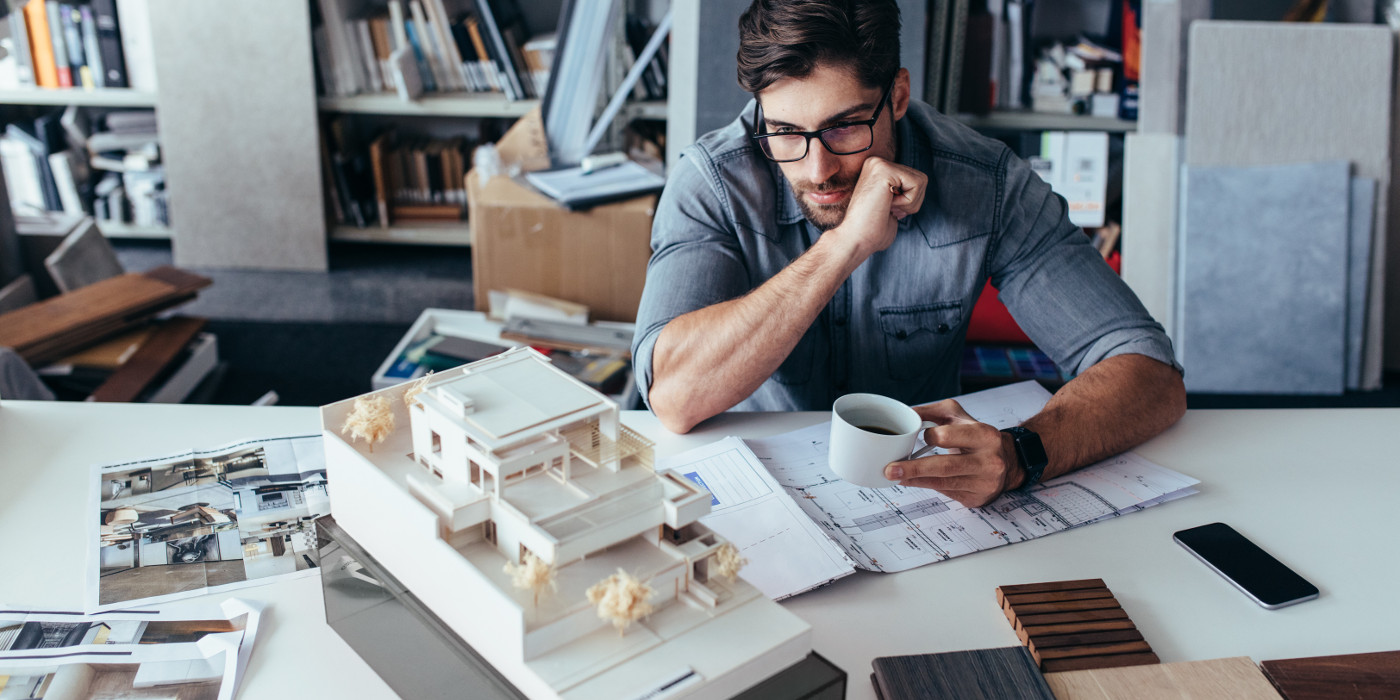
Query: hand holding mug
868	431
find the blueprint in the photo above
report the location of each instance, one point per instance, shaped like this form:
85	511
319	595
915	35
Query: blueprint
899	528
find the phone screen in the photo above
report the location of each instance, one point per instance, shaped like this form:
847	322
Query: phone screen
1250	568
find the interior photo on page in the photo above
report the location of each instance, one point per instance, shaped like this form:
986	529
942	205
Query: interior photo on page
199	654
182	525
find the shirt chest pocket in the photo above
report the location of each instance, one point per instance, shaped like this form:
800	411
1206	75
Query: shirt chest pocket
919	338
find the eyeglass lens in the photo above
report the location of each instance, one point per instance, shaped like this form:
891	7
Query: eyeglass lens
841	141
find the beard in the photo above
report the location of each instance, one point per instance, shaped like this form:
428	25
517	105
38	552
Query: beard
824	216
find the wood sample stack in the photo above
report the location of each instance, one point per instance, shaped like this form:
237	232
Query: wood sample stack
1073	625
155	358
55	327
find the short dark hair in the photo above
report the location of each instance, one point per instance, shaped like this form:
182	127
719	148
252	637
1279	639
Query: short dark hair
781	39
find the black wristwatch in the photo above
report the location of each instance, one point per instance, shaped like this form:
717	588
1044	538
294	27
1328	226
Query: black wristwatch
1030	453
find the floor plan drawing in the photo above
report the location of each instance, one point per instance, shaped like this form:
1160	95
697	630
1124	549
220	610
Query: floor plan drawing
899	528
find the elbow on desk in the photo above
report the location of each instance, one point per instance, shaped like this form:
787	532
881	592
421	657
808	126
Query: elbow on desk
671	411
675	424
1176	399
675	420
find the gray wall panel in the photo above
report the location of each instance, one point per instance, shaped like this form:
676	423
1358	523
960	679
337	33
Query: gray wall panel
1266	93
237	107
1264	289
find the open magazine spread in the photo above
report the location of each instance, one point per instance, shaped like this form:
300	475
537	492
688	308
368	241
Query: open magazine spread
186	524
896	528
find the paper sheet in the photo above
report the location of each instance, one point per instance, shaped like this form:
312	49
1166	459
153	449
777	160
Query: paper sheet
896	528
787	553
187	524
899	528
66	654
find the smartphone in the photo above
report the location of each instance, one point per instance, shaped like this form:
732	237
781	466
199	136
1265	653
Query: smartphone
1252	570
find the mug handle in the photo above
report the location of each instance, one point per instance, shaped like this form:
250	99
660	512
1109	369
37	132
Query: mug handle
926	448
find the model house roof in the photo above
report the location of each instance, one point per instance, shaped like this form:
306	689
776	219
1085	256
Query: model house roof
498	401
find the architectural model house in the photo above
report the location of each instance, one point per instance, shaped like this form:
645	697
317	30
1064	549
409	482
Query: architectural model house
510	463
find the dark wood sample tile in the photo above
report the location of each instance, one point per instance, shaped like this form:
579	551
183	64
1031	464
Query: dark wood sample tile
1008	672
1360	676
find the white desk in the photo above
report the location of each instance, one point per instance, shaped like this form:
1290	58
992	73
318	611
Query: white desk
1318	488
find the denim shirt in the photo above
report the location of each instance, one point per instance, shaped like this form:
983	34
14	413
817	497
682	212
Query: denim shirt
727	222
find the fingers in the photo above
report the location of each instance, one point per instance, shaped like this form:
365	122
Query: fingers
974	477
945	411
906	186
909	191
968	499
968	437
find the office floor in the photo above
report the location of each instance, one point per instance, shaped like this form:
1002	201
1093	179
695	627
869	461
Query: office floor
315	338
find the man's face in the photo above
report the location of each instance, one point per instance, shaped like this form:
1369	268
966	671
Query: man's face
822	182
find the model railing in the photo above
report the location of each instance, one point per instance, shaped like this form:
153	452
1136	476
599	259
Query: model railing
592	446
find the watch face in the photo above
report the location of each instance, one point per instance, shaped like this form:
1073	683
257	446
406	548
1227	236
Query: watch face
1032	451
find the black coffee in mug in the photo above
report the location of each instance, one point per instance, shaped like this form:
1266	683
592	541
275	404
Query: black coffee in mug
878	430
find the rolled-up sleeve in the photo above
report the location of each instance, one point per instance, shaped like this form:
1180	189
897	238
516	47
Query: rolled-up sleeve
696	259
1057	286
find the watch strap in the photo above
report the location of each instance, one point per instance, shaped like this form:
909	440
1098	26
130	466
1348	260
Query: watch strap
1030	454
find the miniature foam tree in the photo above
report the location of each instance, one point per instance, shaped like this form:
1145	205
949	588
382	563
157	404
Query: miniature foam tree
621	598
728	562
410	395
532	574
370	420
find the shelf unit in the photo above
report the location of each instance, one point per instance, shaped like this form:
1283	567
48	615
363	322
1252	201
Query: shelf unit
1042	121
105	97
657	110
431	105
118	230
248	107
118	98
477	105
447	105
469	105
446	233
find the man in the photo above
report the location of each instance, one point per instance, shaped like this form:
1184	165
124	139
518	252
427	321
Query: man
834	239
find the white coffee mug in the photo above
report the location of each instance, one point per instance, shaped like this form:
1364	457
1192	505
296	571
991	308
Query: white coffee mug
868	431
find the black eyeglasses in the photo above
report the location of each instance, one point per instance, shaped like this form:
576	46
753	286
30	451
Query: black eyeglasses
841	139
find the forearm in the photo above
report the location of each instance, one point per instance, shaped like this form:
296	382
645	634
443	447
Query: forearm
706	361
1109	409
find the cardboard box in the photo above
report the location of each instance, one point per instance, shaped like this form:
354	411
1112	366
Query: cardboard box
524	240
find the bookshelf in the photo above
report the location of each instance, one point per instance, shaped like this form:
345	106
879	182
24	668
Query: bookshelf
105	97
102	98
469	105
1041	121
447	233
249	105
352	124
430	105
655	110
112	229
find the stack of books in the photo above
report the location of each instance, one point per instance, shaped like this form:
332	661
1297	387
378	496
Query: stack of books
70	45
109	168
394	179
